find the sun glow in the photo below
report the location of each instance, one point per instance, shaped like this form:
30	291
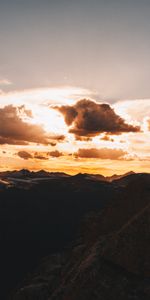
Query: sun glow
41	101
50	119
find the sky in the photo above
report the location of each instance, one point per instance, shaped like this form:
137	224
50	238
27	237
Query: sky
74	85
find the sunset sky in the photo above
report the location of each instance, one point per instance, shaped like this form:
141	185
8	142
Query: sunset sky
74	85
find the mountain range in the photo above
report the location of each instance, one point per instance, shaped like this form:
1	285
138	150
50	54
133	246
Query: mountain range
25	178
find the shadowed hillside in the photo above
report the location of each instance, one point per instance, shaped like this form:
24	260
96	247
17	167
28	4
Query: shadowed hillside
40	214
110	259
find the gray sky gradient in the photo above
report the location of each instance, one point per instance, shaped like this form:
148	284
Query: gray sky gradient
99	45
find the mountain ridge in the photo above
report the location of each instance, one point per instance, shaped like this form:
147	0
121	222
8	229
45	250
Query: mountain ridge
25	173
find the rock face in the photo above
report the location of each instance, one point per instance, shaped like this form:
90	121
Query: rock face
110	258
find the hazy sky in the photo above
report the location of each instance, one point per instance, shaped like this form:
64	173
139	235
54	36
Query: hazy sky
101	45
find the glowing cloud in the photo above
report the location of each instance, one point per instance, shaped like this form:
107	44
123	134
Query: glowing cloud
90	119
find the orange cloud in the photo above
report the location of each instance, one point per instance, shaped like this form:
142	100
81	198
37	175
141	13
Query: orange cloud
55	153
24	154
103	153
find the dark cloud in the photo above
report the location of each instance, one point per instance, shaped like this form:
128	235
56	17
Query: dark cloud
39	155
89	119
53	144
24	154
13	130
103	153
55	153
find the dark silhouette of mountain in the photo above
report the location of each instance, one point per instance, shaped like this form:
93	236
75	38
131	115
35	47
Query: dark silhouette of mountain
25	174
110	256
132	179
42	219
90	176
25	179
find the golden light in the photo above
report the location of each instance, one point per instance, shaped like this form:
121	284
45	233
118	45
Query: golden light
49	118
